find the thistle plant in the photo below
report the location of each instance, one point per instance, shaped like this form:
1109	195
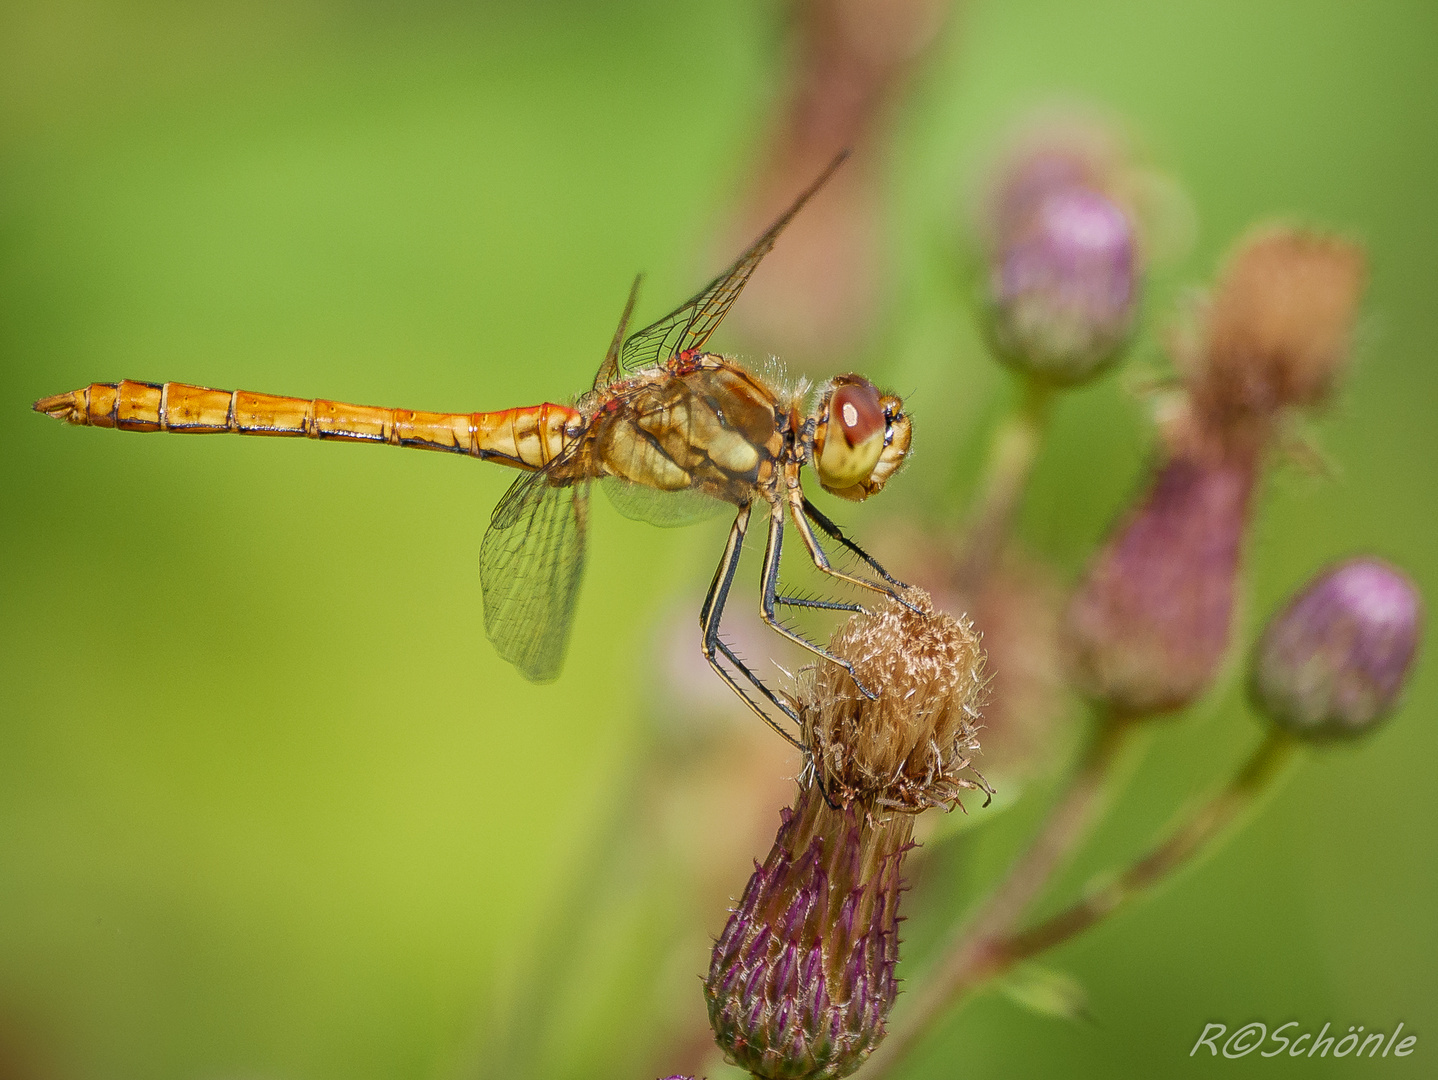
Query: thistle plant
1150	624
1348	638
802	978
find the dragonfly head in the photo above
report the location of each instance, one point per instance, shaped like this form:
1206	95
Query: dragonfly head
861	438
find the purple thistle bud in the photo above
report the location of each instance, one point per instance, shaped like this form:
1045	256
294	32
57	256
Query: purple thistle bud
1063	286
1333	661
1149	626
806	998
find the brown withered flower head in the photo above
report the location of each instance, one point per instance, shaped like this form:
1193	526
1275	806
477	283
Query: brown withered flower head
1149	626
912	746
1275	333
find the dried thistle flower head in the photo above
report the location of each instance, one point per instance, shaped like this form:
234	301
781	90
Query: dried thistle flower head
802	978
1150	624
1279	324
912	745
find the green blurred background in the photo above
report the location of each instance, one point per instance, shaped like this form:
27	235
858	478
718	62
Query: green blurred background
269	804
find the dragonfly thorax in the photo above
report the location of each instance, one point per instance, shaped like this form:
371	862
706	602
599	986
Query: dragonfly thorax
700	423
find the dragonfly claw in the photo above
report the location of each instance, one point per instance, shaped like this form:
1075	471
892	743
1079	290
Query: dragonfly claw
912	607
862	688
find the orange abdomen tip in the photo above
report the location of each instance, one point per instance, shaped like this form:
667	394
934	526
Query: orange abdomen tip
69	408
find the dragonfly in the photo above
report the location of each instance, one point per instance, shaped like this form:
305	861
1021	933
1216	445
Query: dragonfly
672	433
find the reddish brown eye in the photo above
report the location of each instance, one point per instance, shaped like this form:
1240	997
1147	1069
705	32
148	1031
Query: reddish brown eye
855	410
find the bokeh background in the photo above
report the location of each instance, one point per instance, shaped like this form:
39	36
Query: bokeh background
270	807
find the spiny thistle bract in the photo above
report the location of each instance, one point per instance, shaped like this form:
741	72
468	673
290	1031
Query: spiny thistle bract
1150	624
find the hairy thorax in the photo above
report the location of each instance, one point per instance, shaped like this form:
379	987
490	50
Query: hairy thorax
700	423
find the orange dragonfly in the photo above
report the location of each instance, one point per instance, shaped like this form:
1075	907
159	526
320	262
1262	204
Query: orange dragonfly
672	432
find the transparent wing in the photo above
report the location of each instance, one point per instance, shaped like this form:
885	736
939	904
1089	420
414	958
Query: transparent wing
666	509
689	326
530	565
610	368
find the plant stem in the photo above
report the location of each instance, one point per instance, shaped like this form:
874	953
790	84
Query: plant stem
1015	448
983	957
1205	827
978	946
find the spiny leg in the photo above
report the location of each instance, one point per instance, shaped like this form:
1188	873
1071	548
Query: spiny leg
713	611
800	507
810	602
769	597
831	530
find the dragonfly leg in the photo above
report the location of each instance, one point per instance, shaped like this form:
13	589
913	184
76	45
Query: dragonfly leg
769	596
831	530
713	611
802	510
809	602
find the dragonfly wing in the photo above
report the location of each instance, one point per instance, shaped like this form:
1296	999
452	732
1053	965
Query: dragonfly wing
666	509
689	326
530	565
610	368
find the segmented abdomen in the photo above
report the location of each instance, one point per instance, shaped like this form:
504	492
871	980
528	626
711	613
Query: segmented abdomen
526	438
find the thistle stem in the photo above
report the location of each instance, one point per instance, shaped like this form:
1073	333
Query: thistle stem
977	950
983	957
1200	833
1012	453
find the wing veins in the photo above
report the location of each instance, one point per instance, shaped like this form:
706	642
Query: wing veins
531	562
690	325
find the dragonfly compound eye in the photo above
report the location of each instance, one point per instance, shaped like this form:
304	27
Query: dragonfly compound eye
854	434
